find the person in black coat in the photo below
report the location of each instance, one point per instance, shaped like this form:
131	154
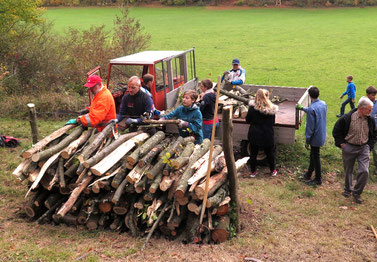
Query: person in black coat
207	107
261	117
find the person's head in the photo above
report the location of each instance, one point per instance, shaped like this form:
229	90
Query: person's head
313	92
133	85
189	97
349	78
236	63
206	84
262	100
148	80
365	106
94	84
371	93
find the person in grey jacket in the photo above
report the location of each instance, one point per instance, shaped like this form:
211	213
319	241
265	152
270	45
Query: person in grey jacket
315	134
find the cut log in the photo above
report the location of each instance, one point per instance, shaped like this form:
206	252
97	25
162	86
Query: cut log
77	206
229	94
183	157
194	207
215	182
139	204
71	171
118	193
156	169
166	183
148	158
33	175
121	207
217	198
60	172
33	122
197	154
92	223
41	144
119	177
145	148
220	234
116	223
136	174
72	147
46	165
107	150
52	199
21	169
59	147
202	170
74	195
223	207
155	184
141	185
107	162
69	219
93	146
175	221
47	216
161	122
40	198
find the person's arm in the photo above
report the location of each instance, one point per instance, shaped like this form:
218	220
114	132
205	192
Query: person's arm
172	114
373	136
122	109
353	92
96	115
249	118
241	77
338	132
310	125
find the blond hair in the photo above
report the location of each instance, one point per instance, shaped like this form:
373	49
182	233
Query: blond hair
262	100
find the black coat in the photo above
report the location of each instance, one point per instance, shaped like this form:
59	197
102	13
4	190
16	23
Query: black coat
342	126
207	106
261	130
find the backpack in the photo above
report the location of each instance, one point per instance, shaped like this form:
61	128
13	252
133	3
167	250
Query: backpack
8	141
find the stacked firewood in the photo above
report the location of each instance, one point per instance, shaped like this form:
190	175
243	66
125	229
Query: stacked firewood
135	182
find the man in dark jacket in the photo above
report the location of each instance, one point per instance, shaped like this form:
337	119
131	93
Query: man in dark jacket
355	134
134	104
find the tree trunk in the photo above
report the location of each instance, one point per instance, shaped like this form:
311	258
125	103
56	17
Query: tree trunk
220	234
145	148
91	148
197	154
107	150
33	122
73	146
74	195
41	144
148	158
183	158
107	162
59	147
230	163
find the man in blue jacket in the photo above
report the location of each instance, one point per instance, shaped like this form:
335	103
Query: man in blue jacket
315	134
371	94
351	93
235	77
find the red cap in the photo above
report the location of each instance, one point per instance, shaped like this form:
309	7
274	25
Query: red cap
93	80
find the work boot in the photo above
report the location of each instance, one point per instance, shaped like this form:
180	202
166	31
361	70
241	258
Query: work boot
314	182
306	176
357	198
346	194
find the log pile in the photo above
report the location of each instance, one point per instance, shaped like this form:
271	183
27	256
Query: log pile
136	183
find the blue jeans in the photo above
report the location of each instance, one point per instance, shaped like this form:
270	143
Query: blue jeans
207	130
348	100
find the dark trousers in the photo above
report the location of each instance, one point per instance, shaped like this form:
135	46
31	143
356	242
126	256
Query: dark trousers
315	163
342	108
270	154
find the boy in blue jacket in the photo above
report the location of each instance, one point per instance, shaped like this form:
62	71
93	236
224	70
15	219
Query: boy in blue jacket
351	93
315	134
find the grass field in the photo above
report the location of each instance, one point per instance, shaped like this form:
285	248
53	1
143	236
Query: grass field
285	220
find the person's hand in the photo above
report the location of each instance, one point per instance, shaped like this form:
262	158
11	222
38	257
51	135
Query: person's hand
71	122
183	124
299	106
341	97
307	146
353	100
83	112
115	121
343	145
131	121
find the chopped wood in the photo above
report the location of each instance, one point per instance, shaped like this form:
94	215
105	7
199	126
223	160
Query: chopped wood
74	145
21	169
183	158
136	174
149	157
220	234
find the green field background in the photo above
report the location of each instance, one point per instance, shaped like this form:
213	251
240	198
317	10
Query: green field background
288	47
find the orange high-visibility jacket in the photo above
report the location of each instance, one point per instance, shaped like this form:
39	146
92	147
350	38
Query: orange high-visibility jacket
101	110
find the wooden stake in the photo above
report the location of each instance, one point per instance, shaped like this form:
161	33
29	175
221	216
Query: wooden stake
211	149
33	122
374	231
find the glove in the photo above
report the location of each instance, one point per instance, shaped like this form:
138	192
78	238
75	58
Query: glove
307	146
183	124
71	122
115	121
83	112
299	106
131	121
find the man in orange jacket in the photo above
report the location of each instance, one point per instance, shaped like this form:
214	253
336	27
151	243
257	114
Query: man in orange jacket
102	108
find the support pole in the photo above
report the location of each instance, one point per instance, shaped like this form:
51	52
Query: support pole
33	122
229	159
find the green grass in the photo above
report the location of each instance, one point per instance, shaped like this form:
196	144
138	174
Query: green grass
288	47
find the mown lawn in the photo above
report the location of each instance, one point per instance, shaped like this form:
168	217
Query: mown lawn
285	220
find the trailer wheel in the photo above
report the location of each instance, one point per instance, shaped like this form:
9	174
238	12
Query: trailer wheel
245	151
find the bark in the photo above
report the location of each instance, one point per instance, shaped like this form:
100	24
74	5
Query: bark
156	169
59	147
52	199
130	221
136	174
47	216
73	146
155	184
69	219
95	188
107	150
40	198
118	193
33	122
119	177
78	204
41	144
161	122
191	230
92	147
82	217
175	222
217	198
92	223
150	156
122	206
230	163
21	169
166	183
107	162
215	182
197	154
60	172
74	195
229	94
71	171
220	234
141	185
145	148
165	150
116	222
183	158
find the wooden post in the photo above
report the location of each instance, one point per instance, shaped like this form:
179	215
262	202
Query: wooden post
33	122
229	159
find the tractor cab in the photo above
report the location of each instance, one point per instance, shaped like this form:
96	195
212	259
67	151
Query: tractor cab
172	71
